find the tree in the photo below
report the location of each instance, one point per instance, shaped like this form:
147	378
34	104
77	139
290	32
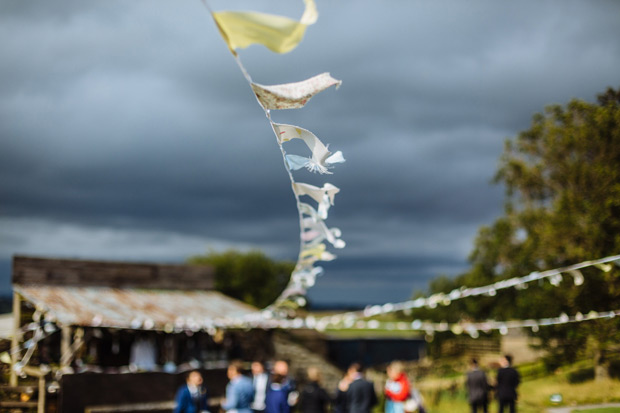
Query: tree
251	277
562	179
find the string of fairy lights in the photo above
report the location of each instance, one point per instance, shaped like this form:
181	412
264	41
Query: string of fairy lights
43	326
554	276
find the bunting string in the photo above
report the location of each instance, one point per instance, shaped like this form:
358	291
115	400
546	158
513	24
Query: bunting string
281	35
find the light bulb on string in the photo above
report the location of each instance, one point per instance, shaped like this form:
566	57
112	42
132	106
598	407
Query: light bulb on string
373	324
577	277
386	308
604	267
555	280
473	333
455	294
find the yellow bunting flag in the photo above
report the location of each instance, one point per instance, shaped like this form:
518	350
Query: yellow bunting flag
278	33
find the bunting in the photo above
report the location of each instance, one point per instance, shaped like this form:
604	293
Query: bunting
282	34
293	95
278	33
320	161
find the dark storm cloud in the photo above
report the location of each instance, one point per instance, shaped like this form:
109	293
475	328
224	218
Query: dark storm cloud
127	131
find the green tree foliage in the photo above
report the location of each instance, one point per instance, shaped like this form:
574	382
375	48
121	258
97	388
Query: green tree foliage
562	178
251	277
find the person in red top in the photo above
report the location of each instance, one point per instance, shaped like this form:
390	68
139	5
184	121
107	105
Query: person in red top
397	388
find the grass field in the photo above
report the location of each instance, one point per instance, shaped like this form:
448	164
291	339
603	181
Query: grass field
601	410
533	394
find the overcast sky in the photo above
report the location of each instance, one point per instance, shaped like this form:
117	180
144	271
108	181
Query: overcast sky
128	132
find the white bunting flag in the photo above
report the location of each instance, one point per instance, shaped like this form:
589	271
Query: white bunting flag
293	95
322	159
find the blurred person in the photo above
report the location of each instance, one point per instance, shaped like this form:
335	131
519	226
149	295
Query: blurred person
397	388
339	402
192	396
281	367
477	387
239	390
313	398
506	385
260	380
276	400
361	396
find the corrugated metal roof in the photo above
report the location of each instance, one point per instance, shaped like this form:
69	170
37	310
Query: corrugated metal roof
134	308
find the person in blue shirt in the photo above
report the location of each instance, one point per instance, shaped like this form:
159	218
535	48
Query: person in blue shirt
192	396
239	390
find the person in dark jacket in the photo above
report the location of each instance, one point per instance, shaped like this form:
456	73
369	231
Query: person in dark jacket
477	388
339	402
361	396
276	400
192	396
313	398
507	382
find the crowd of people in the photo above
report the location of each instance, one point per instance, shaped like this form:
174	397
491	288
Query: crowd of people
277	392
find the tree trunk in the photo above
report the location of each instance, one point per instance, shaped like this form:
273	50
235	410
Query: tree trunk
601	364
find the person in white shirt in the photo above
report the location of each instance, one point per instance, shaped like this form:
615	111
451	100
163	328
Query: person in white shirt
260	379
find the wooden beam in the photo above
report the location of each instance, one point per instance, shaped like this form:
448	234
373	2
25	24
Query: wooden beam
41	401
36	371
65	347
18	405
15	354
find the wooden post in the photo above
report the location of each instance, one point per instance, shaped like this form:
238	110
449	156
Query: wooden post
65	346
15	340
42	391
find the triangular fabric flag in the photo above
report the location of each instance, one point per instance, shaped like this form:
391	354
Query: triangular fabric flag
293	95
316	253
279	34
306	277
328	191
310	211
316	232
321	158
